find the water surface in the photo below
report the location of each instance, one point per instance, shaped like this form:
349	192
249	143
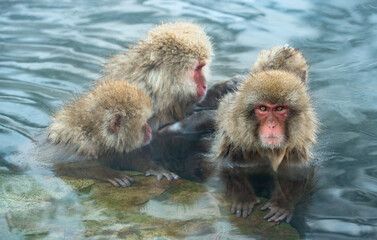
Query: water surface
50	50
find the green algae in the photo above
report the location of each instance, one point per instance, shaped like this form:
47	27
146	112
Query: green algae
45	207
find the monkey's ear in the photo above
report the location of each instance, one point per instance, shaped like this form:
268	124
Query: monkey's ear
116	123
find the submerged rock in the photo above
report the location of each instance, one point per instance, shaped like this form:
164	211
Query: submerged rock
45	206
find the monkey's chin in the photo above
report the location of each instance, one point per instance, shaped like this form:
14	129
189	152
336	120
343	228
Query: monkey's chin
272	142
147	140
200	98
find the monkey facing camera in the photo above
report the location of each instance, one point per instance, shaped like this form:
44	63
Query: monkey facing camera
267	126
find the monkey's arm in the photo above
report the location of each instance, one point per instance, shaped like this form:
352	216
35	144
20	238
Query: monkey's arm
293	182
235	172
192	127
202	121
217	91
94	170
240	190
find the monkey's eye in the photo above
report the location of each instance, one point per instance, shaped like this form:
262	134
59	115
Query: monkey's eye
263	108
279	108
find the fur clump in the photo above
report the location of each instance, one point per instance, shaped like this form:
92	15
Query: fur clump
276	79
84	126
282	58
161	66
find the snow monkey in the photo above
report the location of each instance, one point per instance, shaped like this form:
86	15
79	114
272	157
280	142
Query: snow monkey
170	65
107	123
268	124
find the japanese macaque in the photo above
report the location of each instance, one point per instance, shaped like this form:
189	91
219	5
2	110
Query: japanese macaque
105	124
170	65
268	125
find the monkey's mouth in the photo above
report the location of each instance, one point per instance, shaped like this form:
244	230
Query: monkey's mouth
201	92
147	135
272	140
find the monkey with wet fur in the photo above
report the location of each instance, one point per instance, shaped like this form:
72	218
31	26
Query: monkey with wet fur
170	65
267	125
107	123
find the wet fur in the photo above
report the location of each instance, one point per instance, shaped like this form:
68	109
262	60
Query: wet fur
161	65
278	77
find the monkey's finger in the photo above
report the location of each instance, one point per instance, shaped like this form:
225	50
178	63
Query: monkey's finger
282	217
276	216
152	173
113	182
127	181
289	218
159	177
233	209
168	176
129	178
246	211
239	210
251	207
267	206
270	214
121	183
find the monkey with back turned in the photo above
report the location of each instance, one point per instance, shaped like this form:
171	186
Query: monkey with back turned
108	123
171	65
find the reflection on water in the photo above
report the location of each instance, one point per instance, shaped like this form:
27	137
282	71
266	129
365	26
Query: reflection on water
51	49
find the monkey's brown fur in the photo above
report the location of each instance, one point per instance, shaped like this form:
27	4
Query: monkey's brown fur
161	64
85	125
282	58
278	77
237	124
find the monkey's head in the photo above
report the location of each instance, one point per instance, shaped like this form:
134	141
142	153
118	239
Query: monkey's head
170	65
125	110
182	51
275	105
111	118
271	110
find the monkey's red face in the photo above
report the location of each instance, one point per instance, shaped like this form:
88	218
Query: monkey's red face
147	134
200	81
271	118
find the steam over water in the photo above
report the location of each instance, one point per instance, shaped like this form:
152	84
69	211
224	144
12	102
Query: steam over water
51	50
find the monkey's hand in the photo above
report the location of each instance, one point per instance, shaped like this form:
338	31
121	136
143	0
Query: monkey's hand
117	178
84	169
279	211
244	208
121	181
217	91
160	173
